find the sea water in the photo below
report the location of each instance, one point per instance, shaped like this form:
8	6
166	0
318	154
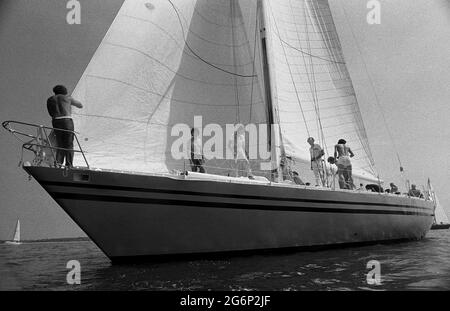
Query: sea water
417	265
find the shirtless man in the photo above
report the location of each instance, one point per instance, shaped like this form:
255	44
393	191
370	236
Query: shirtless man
60	109
197	158
317	153
342	154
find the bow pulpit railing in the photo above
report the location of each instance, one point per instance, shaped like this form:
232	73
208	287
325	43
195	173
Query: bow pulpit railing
42	142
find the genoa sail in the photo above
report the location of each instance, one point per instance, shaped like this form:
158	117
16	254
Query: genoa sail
163	63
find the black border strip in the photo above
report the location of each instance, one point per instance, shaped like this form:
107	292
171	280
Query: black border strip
222	195
122	199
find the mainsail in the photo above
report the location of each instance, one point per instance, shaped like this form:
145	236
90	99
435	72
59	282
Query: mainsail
311	84
165	62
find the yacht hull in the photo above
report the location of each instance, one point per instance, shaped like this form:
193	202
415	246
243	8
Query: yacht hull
135	216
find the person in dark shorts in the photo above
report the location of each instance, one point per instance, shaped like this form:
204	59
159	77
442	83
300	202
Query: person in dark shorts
197	158
59	107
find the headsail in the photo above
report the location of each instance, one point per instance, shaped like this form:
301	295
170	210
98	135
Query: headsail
311	84
162	63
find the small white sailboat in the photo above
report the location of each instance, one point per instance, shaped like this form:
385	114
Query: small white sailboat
16	239
441	220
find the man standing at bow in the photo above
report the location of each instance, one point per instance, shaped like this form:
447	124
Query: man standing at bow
59	107
317	162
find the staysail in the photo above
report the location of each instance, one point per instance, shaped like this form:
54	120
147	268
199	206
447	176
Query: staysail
164	63
311	85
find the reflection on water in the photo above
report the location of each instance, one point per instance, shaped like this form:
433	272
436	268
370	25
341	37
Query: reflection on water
422	265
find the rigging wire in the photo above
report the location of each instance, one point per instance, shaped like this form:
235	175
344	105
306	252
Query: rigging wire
308	54
290	70
312	80
372	85
313	85
316	99
361	131
198	56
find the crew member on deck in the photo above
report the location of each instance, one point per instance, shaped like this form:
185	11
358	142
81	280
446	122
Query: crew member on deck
317	153
59	107
413	192
331	172
394	188
240	154
297	178
197	158
343	153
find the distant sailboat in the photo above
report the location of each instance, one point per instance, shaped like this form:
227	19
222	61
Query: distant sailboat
441	220
16	239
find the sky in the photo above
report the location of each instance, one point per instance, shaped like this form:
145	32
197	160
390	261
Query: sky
405	58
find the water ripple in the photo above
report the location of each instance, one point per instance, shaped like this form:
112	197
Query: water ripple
422	265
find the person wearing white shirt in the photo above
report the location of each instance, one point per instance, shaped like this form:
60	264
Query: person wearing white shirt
241	159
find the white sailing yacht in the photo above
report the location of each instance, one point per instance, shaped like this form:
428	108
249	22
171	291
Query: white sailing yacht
16	239
168	62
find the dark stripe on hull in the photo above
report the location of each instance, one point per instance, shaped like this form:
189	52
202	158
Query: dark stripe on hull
122	199
222	195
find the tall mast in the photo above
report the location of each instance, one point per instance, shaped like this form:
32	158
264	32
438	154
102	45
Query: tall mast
272	137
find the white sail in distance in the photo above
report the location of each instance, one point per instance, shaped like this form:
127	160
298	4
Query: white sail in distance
440	215
311	86
162	63
17	232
